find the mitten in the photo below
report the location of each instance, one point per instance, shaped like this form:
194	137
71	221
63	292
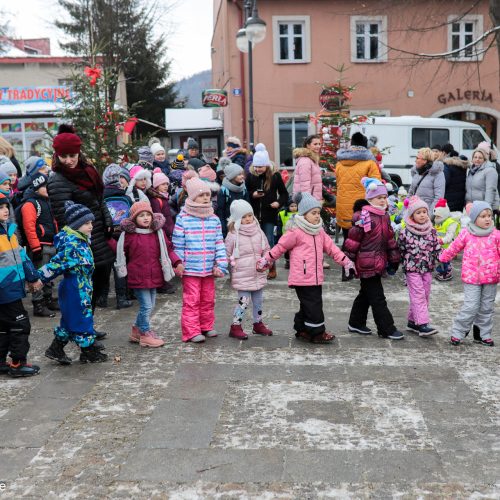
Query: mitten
393	268
217	272
263	264
350	266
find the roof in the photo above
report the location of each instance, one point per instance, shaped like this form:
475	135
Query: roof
415	121
29	108
188	120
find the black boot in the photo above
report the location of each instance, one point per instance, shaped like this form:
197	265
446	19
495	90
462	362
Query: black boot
102	302
56	352
91	354
41	310
476	333
130	294
100	335
52	303
123	303
99	345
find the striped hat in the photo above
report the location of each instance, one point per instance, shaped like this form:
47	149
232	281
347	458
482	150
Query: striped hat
77	215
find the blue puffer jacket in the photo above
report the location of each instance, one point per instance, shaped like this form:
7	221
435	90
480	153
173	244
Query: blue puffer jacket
455	174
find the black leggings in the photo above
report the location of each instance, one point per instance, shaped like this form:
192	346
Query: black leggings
100	279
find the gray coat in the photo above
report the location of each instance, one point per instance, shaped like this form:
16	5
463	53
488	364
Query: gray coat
432	188
482	186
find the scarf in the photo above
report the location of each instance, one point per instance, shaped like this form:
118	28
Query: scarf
422	170
479	231
248	230
475	168
418	229
366	222
199	210
232	153
233	187
86	177
301	222
121	260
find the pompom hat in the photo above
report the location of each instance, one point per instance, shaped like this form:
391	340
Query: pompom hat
374	187
207	173
194	185
484	146
261	156
77	215
66	142
238	209
223	163
159	178
178	162
413	204
155	147
441	209
138	207
474	209
305	202
402	191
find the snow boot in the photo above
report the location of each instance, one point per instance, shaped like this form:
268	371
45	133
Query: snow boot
41	310
102	302
260	329
123	303
91	354
56	352
237	332
4	367
52	303
130	294
135	334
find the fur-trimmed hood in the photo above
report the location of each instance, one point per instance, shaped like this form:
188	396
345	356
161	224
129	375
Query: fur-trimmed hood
214	187
437	167
299	152
273	165
457	162
355	155
129	226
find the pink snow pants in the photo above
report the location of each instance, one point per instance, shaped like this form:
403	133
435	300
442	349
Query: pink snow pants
198	302
419	288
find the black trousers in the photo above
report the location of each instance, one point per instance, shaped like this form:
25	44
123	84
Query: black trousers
15	330
372	294
310	318
345	232
100	279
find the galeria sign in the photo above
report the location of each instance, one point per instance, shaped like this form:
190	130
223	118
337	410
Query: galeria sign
20	95
214	98
468	95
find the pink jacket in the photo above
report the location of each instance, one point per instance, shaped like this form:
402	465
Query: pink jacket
244	276
307	173
481	260
306	256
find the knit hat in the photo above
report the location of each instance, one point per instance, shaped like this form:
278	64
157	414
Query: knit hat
141	174
134	170
305	202
178	162
233	142
447	148
402	191
413	204
66	142
232	170
125	174
358	139
484	145
194	185
39	181
374	187
4	176
7	166
77	215
441	209
155	147
261	156
33	164
207	173
4	200
145	154
238	209
223	163
474	209
138	207
159	178
196	163
192	144
111	175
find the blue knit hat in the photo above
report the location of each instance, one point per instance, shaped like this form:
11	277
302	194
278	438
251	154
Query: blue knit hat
77	215
306	202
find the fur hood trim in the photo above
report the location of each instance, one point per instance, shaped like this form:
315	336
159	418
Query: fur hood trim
355	155
436	168
457	162
153	193
493	155
273	165
214	187
142	174
359	204
129	226
300	152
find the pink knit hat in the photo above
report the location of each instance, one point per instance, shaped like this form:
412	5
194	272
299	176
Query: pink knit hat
138	207
159	179
194	185
207	172
485	146
413	204
134	170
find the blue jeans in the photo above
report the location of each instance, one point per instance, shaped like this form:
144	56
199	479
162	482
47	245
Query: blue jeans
268	228
147	299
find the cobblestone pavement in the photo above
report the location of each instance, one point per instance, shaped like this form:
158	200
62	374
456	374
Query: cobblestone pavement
267	418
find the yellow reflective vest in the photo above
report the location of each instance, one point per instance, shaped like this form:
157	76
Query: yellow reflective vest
441	230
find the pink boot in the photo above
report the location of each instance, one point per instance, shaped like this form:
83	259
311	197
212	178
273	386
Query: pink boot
135	334
150	339
261	329
237	332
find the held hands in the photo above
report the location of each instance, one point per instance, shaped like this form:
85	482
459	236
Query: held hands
350	266
34	287
263	265
441	242
217	272
179	270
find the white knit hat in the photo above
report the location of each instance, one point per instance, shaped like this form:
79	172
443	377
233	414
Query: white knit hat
155	147
402	191
238	209
261	156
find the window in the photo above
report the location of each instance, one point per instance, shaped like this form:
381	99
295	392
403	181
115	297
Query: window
463	32
427	137
291	39
368	39
471	138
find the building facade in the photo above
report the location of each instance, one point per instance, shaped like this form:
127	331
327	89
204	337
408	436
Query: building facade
378	42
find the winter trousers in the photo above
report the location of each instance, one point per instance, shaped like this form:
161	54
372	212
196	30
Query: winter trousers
371	294
147	300
100	278
120	283
15	329
310	318
478	309
198	302
45	293
419	289
244	302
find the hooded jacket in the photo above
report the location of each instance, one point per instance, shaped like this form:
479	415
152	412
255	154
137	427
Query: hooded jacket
352	166
432	187
455	173
307	178
482	186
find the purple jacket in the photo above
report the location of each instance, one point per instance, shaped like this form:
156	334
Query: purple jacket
160	205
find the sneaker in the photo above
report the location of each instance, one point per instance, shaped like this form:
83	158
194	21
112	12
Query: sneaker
197	338
102	302
444	277
488	342
23	369
455	341
150	339
237	332
91	354
260	329
426	330
412	327
397	335
4	368
135	334
210	333
56	352
287	264
364	330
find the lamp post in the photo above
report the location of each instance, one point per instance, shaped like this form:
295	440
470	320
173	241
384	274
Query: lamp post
246	38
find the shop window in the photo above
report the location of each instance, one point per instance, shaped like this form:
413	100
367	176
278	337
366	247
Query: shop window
462	32
292	132
471	138
427	137
291	39
368	39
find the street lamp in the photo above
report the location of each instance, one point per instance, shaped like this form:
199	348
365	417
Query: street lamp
254	32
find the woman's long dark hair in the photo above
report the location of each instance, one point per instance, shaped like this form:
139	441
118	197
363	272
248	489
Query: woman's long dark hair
309	139
82	160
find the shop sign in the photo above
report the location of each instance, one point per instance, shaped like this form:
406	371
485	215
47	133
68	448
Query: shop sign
20	95
214	98
469	95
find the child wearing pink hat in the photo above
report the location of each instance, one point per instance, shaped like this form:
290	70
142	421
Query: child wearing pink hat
140	182
208	175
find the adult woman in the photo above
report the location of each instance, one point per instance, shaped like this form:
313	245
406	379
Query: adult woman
482	180
307	178
7	150
267	193
455	173
235	152
75	178
428	181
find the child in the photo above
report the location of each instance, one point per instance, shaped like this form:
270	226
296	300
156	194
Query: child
246	244
160	160
141	181
35	217
306	241
283	218
15	268
145	256
447	225
480	264
5	182
32	166
175	176
124	177
371	244
75	261
402	195
207	174
419	247
10	169
233	188
198	243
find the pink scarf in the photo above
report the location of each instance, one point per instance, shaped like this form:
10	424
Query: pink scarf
365	220
232	152
200	210
418	229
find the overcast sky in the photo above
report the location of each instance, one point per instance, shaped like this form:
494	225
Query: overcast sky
189	45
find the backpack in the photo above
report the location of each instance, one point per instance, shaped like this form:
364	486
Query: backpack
118	207
18	213
16	199
227	194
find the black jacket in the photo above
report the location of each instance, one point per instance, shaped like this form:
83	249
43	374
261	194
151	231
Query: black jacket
60	191
277	192
455	173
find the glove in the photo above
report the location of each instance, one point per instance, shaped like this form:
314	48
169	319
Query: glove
398	219
217	272
350	266
392	269
440	241
108	233
263	265
37	254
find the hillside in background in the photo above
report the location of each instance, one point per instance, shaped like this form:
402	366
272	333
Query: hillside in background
193	86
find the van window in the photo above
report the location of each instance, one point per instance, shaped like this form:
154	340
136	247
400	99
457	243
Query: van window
428	137
471	138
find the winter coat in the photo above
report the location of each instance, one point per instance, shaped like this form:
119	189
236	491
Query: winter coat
175	178
455	173
248	163
431	189
482	186
224	199
481	259
372	250
240	158
15	266
244	274
199	244
307	177
419	252
352	166
262	206
61	190
164	166
136	194
160	205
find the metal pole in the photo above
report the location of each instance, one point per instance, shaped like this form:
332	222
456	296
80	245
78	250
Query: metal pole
250	94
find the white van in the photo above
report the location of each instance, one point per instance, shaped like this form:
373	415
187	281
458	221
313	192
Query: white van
405	135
